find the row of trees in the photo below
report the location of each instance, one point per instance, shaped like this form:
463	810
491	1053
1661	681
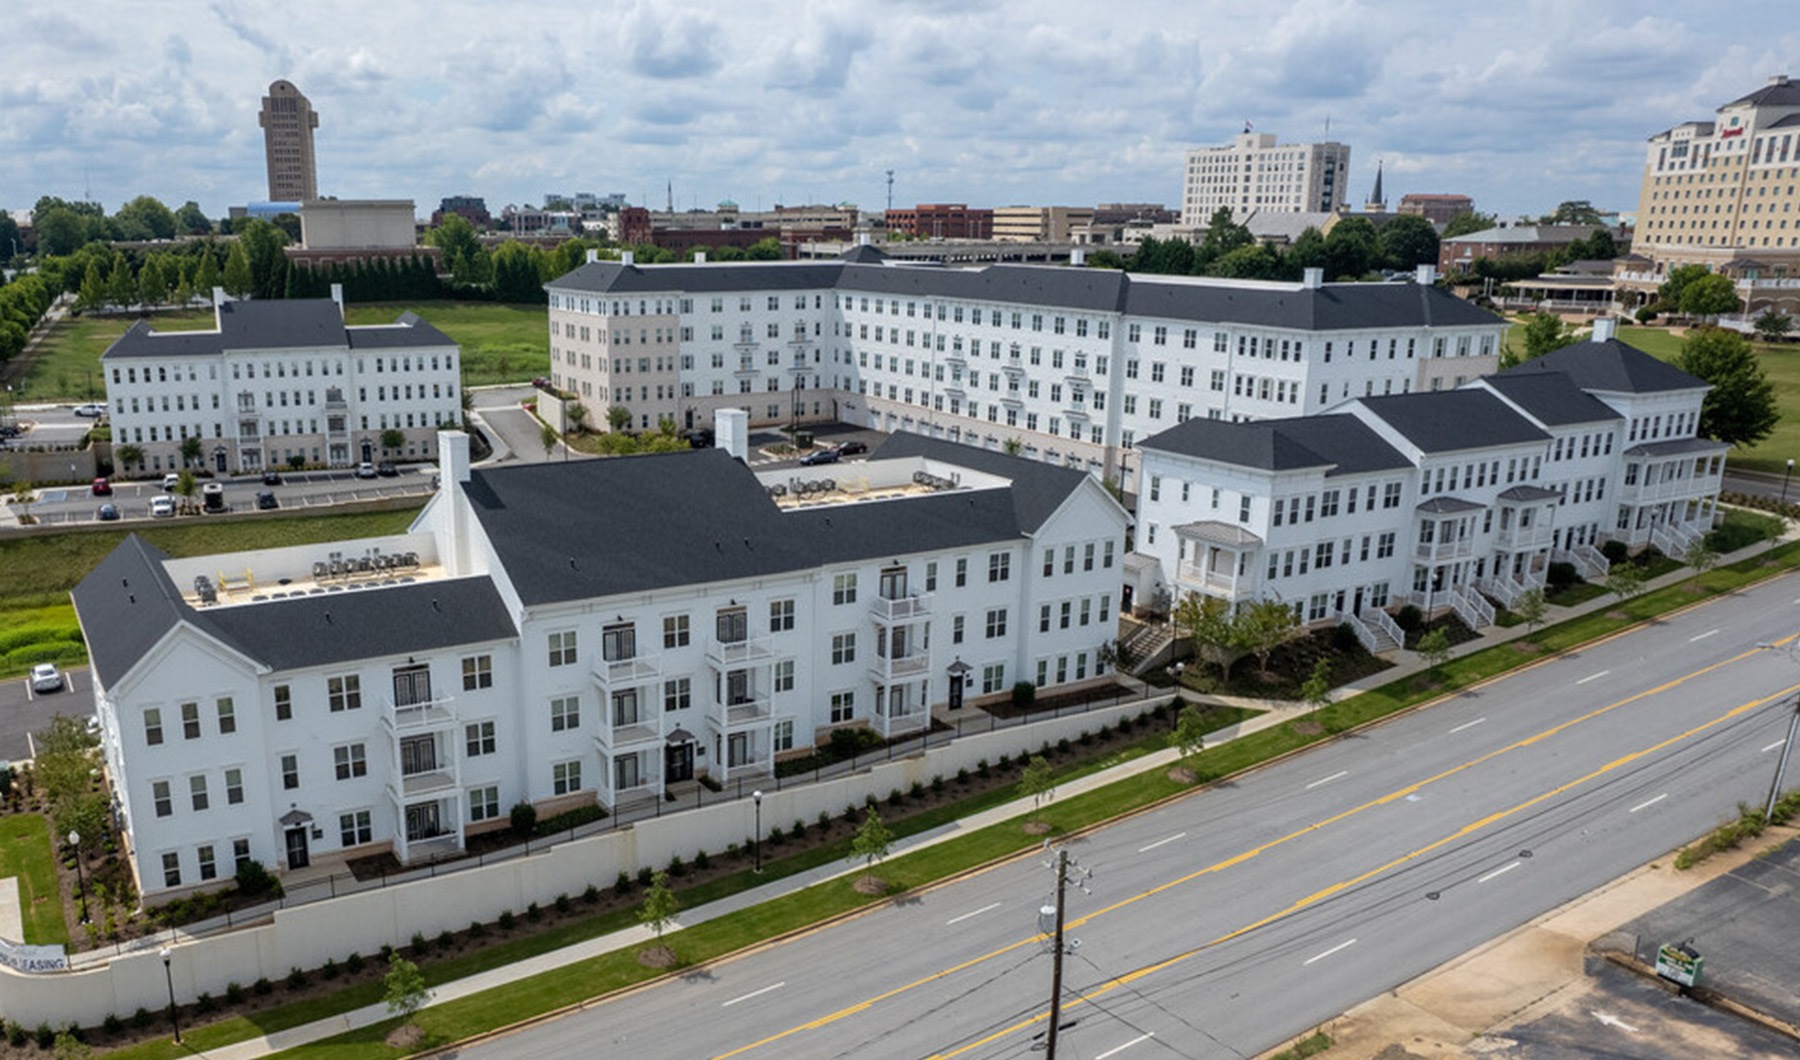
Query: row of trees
62	226
1223	635
1354	249
23	303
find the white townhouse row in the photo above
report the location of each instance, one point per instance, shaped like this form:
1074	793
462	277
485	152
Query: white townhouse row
1435	499
278	382
1074	365
570	633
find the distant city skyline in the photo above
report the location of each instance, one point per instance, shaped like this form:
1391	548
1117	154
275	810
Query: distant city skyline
992	105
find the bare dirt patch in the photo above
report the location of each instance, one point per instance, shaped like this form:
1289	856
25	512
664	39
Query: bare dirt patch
657	957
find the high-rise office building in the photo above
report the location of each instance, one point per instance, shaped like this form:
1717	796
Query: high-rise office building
1253	173
288	121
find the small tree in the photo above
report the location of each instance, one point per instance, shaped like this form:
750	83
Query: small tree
403	988
187	486
1190	731
1037	780
871	842
660	905
1013	446
1625	581
1316	691
1219	634
393	440
1701	557
1267	624
23	498
1530	607
1772	325
618	417
577	414
548	437
190	450
1434	648
129	456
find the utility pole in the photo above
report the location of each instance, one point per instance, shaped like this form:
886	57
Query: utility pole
890	183
1780	763
1050	922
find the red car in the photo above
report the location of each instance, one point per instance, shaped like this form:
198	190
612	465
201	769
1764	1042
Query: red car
102	488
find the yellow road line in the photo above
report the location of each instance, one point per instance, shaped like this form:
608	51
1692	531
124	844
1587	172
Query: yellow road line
1238	859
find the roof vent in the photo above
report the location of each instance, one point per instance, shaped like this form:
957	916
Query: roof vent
592	255
1603	329
627	258
1778	79
1312	279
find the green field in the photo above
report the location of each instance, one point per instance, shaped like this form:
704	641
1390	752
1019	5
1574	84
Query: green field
500	344
36	573
25	852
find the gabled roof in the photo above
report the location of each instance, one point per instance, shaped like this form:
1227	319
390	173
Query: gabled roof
1330	307
1552	398
1282	445
282	324
1448	505
128	604
1528	234
1449	421
1612	367
603	527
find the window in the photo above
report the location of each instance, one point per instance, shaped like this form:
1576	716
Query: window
993	677
344	692
784	675
675	631
843	707
956	629
782	739
478	672
355	828
209	865
484	803
999	566
153	734
190	720
227	716
171	863
565	713
678	694
197	792
234	786
565	777
284	703
843	588
962	572
351	760
996	623
843	648
290	772
931	577
240	853
781	616
562	648
478	738
159	794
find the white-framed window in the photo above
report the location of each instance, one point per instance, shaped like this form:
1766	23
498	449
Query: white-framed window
993	677
676	633
678	694
782	738
234	786
843	588
843	648
343	692
484	803
284	702
171	863
153	727
781	616
209	863
356	828
565	713
190	721
159	795
478	738
477	672
996	623
565	777
843	706
290	772
784	675
351	760
999	566
562	648
227	715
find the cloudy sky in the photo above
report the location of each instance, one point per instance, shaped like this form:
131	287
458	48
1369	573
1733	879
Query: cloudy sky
1519	104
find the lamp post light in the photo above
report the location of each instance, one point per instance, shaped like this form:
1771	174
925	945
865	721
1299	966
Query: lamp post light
756	836
168	976
1788	474
80	877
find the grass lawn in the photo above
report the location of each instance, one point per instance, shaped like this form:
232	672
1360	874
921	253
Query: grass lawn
25	852
500	343
67	366
1780	361
37	623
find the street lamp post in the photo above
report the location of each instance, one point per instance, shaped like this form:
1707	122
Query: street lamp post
80	878
1788	474
168	976
756	837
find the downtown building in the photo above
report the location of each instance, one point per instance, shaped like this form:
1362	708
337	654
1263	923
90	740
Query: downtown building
1066	365
288	121
278	382
1253	173
570	634
1440	500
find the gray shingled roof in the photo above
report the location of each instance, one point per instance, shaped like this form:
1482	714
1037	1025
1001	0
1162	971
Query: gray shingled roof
1552	398
1282	445
283	324
603	527
1449	421
1612	366
1333	306
127	604
1785	94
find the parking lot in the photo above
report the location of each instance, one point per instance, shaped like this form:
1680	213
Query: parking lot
23	712
300	490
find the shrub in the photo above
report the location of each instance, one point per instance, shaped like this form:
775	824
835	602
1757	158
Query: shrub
1062	746
263	987
234	994
732	851
296	979
895	798
44	1036
676	868
622	885
1561	575
563	905
643	876
330	971
477	930
937	784
112	1024
1004	762
1645	314
253	879
982	770
507	920
824	821
962	777
701	861
418	943
799	828
776	837
1024	694
387	953
446	940
1086	739
1615	551
139	1019
710	784
1409	619
524	818
592	895
533	913
1343	638
869	800
16	1035
917	791
205	1003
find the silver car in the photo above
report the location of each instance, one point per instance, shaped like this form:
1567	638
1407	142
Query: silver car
45	678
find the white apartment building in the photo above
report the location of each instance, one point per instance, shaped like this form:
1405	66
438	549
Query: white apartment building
1434	499
1254	173
570	633
1070	365
278	381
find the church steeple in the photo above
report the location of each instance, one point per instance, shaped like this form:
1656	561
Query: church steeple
1376	203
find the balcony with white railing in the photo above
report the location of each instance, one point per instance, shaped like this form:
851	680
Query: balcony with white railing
428	781
1668	489
742	715
1192	576
886	669
1517	538
1441	551
738	654
612	674
909	608
909	718
420	715
637	730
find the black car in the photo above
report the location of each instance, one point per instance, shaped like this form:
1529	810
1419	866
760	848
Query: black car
266	500
386	469
852	448
822	456
271	478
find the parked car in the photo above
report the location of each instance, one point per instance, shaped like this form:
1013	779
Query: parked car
820	456
212	497
93	411
102	488
10	430
386	469
266	500
45	678
271	478
365	470
171	480
107	513
162	506
852	448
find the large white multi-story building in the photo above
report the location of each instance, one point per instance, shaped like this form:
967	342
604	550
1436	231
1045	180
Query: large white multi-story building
1254	173
1432	499
279	381
567	633
1067	365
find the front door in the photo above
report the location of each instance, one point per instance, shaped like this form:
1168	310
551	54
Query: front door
219	460
297	857
1357	609
368	452
678	762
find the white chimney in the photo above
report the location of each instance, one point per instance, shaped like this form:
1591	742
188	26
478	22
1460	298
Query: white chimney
731	432
453	467
699	257
592	255
626	257
337	295
219	298
1425	275
862	239
1312	279
1078	256
1603	328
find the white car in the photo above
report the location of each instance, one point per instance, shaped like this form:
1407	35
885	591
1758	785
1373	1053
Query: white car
45	678
365	470
162	506
171	480
94	411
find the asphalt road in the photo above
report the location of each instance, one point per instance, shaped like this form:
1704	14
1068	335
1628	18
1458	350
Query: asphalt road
301	490
23	711
1229	922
